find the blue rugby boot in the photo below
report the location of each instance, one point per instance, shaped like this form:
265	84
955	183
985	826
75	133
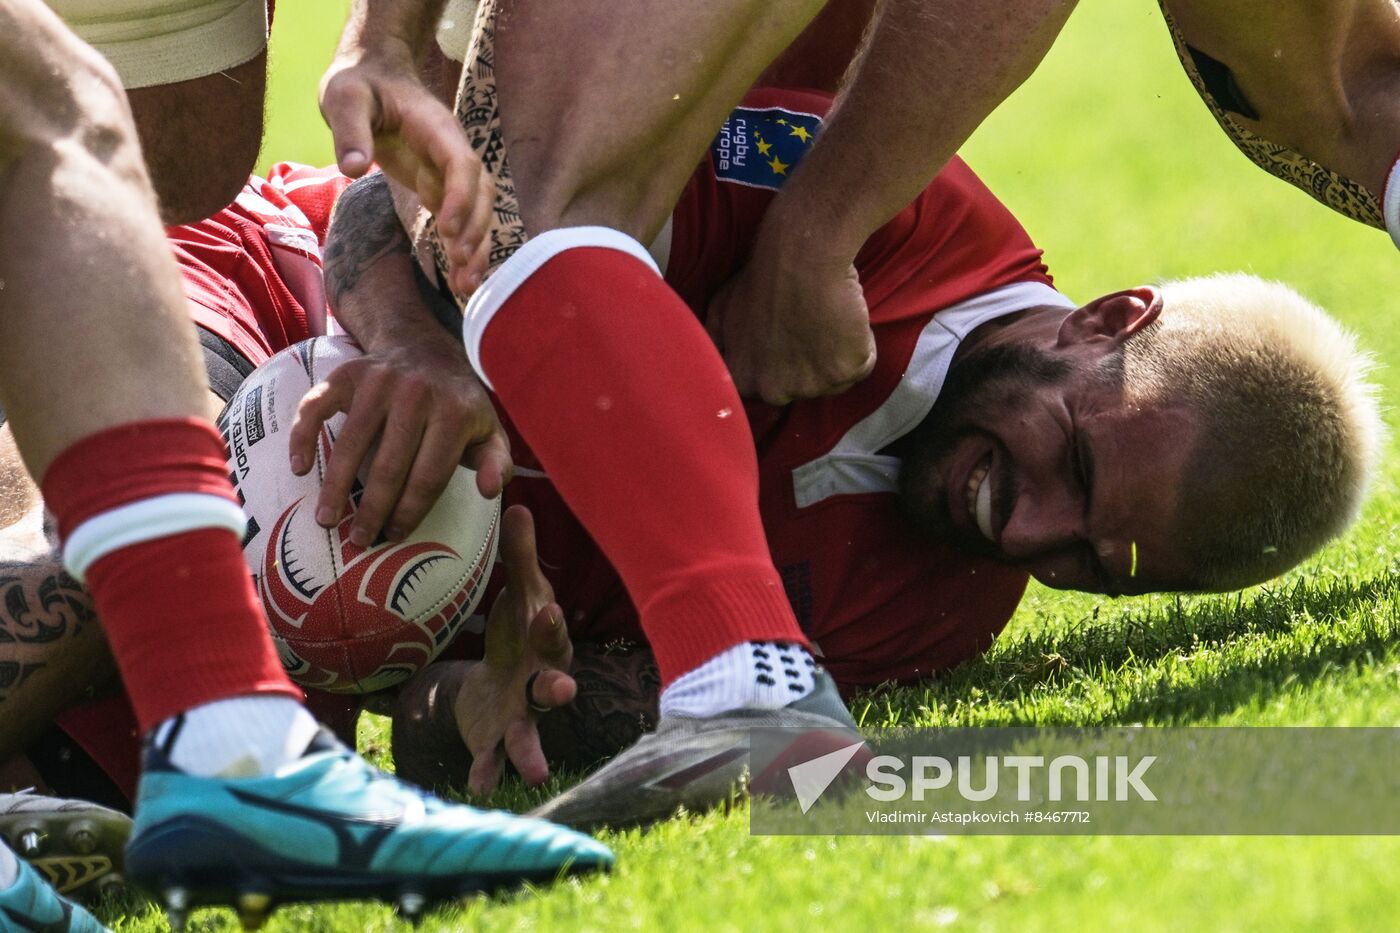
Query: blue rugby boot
31	904
330	827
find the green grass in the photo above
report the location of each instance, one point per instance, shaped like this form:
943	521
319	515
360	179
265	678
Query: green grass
1122	176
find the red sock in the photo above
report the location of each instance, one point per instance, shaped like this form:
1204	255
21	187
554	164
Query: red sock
619	392
147	515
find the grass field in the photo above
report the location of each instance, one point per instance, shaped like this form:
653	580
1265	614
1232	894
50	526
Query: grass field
1120	174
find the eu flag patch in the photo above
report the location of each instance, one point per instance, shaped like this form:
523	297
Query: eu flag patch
760	147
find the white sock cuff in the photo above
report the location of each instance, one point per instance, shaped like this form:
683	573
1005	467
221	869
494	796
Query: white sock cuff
1390	203
757	675
517	270
147	520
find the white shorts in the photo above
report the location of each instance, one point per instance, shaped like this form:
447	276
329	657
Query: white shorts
167	41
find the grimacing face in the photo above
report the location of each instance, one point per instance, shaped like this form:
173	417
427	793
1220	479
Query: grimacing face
1033	457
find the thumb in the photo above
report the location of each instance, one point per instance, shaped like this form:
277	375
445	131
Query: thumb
491	462
351	111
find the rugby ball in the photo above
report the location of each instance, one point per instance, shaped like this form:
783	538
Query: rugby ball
344	618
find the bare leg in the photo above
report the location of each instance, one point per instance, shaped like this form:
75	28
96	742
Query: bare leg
608	131
602	368
91	314
94	338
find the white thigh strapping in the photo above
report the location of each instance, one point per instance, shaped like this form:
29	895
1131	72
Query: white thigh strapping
165	41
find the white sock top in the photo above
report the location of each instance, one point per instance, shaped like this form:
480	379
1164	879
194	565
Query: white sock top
754	675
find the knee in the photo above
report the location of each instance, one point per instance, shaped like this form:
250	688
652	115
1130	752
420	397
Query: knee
55	87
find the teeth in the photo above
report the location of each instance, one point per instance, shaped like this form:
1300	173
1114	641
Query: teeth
984	510
979	499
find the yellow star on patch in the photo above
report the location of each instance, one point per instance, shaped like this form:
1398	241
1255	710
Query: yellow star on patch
801	133
782	122
763	147
778	166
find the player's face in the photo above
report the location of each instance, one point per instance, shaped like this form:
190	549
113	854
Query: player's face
1033	457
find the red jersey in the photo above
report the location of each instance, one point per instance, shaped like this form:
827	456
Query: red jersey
878	602
252	272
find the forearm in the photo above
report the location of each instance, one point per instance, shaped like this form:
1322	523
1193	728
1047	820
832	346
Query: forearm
930	74
391	27
616	704
53	655
372	285
427	747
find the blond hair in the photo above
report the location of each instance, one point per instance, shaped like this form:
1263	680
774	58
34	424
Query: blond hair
1291	429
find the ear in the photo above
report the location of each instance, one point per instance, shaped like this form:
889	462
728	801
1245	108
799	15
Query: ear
1113	318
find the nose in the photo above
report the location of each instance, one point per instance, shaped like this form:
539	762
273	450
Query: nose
1041	523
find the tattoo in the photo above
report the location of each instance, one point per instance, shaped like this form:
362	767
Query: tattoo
36	614
58	606
1338	192
364	229
478	110
618	689
14	673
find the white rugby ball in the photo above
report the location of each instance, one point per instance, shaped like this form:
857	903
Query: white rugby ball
344	618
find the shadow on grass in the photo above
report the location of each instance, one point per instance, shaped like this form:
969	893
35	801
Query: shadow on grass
1147	641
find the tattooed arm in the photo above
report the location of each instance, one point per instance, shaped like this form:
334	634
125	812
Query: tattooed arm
52	652
53	655
616	703
419	391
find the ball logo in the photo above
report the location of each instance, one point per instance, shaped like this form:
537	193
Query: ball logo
374	582
343	617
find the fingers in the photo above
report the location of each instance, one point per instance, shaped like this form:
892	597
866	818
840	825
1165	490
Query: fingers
387	484
548	637
550	689
553	689
432	467
351	111
485	772
806	378
431	130
491	461
518	551
317	407
479	231
858	375
352	445
469	253
522	743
